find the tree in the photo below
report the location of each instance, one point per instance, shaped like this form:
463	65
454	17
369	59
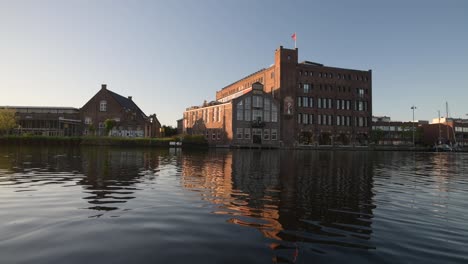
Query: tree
377	135
7	120
109	124
169	131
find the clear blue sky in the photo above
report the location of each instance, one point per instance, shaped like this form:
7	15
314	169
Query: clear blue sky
173	54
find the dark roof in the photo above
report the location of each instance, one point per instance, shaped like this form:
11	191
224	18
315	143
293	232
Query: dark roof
312	63
126	103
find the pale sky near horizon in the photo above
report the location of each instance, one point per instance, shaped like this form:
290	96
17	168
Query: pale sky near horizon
170	55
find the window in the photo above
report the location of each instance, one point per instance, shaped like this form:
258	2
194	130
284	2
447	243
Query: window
299	118
306	88
239	133
218	135
319	101
103	106
266	134
305	119
213	136
338	103
311	102
274	113
319	119
240	111
299	101
101	125
267	108
88	121
257	101
305	101
330	120
257	115
247	133
311	119
247	107
274	134
338	123
348	104
305	73
330	103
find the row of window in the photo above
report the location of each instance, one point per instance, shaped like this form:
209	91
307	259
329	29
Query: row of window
239	88
215	134
330	120
262	109
265	134
338	76
308	87
213	114
327	103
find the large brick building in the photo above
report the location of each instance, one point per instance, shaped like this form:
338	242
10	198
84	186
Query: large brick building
317	104
250	118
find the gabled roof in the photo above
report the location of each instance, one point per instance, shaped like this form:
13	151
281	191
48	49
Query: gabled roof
127	103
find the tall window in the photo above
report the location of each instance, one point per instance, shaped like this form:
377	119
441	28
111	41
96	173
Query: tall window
240	111
103	106
267	109
248	107
305	101
257	101
274	113
306	88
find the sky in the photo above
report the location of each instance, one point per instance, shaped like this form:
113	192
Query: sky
170	55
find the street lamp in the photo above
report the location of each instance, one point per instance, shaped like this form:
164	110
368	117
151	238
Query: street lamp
413	108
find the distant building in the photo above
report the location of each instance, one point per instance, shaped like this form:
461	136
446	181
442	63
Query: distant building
47	121
317	104
130	121
388	132
244	120
446	131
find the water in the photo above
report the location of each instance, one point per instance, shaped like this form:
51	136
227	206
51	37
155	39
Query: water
111	205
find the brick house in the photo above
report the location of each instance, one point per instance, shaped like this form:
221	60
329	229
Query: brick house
130	121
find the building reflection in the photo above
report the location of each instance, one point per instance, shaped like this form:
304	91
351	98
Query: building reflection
108	176
111	175
323	198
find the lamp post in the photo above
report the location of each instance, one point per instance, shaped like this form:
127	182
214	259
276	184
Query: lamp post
413	108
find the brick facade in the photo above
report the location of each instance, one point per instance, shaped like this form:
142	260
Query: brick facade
318	104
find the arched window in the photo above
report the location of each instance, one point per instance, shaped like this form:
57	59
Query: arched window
103	106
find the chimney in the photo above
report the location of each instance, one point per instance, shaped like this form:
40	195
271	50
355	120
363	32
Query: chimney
103	86
129	98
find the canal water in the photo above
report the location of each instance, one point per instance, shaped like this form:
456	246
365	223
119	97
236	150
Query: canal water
112	205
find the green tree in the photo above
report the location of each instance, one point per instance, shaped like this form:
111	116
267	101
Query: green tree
377	135
7	120
169	131
109	124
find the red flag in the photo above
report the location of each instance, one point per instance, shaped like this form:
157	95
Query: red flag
294	36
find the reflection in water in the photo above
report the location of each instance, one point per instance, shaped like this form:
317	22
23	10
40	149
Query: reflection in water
319	198
242	206
108	175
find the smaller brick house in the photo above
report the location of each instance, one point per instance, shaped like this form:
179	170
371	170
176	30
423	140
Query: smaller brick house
130	121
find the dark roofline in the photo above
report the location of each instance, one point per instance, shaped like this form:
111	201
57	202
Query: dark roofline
126	102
